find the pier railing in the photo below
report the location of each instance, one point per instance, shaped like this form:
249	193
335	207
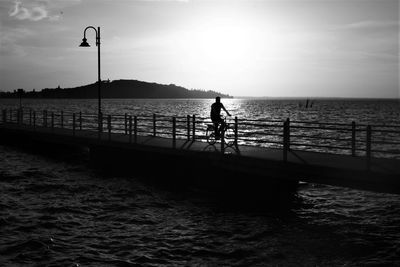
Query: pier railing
339	138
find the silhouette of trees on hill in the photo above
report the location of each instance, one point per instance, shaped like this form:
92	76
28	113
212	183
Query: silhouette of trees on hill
118	89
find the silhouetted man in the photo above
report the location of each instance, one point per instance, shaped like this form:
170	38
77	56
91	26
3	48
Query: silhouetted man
216	116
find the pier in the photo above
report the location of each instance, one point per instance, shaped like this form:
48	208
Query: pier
262	154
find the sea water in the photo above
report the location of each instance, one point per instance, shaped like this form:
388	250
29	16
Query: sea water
56	211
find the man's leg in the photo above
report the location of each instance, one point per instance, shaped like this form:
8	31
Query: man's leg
221	127
216	129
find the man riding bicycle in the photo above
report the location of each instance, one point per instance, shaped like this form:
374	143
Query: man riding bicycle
216	116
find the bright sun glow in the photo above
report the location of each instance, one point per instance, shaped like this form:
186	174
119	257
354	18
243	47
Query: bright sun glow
219	44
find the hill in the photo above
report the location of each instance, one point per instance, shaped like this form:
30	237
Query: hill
119	89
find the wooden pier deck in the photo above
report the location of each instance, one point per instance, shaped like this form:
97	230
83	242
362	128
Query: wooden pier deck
191	156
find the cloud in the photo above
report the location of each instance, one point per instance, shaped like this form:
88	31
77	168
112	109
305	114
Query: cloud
36	10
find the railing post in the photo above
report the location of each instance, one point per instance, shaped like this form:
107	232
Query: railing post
52	121
154	124
126	123
285	140
99	124
10	115
173	132
130	129
193	127
222	141
109	127
288	133
188	127
236	130
18	116
368	146
135	128
353	139
21	114
62	119
80	120
4	115
44	118
30	117
73	124
34	119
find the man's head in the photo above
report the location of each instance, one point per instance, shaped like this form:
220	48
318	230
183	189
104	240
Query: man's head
217	99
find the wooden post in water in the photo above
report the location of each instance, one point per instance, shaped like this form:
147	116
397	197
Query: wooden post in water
236	131
353	138
188	127
135	128
154	124
80	120
173	132
368	146
62	119
73	124
109	127
130	129
126	123
193	127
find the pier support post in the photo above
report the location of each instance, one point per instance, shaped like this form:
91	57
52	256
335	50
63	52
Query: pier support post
188	127
173	132
130	129
368	147
154	124
353	139
73	124
135	128
193	127
126	123
109	127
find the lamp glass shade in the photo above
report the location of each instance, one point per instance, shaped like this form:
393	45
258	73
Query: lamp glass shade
84	43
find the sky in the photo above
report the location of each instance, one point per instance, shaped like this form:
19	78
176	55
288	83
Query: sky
271	48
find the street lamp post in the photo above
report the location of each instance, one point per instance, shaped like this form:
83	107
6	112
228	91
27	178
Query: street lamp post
85	44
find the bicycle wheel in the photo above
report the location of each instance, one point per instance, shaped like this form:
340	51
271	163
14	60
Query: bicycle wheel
229	136
210	135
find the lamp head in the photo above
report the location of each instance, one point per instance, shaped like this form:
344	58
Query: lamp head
84	43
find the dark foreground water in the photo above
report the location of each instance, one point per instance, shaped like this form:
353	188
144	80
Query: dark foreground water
55	211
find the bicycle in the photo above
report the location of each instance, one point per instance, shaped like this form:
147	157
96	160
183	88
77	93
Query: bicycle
227	132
